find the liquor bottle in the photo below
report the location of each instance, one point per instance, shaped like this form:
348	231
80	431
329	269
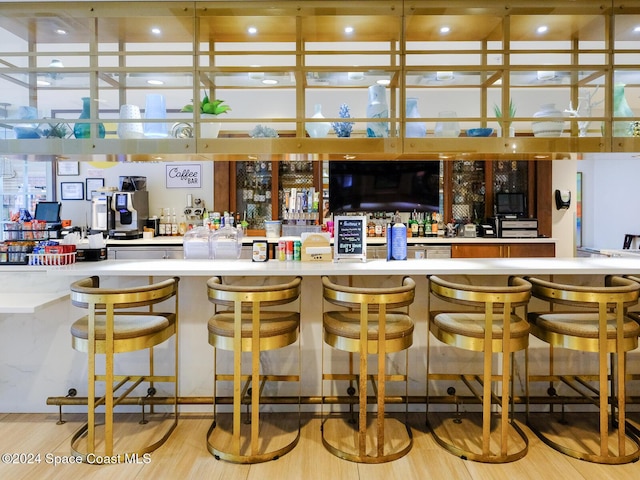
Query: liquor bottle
413	225
434	224
371	227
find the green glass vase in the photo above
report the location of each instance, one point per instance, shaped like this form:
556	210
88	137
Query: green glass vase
621	109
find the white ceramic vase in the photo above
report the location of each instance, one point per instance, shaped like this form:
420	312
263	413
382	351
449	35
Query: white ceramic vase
377	108
209	129
130	129
548	128
318	129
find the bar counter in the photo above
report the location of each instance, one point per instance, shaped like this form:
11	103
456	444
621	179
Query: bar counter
37	361
455	266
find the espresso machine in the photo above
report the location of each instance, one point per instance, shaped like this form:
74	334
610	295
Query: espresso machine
130	211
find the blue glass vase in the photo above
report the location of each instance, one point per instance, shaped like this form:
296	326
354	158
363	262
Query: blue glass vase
83	130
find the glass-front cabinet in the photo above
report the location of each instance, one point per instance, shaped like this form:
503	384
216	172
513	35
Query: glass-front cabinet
401	79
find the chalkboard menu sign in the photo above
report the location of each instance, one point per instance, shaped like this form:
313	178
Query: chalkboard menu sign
350	238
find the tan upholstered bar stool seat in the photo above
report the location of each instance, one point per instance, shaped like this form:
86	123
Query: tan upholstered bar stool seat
342	330
381	316
114	324
245	323
588	319
138	331
479	318
276	330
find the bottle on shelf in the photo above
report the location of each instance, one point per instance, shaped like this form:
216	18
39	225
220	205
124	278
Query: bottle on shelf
174	224
426	229
412	231
434	224
162	226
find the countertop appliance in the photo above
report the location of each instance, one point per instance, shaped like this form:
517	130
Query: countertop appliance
130	210
511	226
102	216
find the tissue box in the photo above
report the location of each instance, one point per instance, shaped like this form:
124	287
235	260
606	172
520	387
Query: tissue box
91	254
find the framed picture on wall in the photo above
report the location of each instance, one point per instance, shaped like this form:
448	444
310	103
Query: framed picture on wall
92	185
67	168
72	191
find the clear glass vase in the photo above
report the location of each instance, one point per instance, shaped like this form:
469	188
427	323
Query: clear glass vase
377	108
414	129
155	109
447	128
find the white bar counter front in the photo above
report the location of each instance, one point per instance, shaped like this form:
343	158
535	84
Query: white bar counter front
37	361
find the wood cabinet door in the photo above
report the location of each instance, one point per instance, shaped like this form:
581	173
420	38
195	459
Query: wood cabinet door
474	250
516	250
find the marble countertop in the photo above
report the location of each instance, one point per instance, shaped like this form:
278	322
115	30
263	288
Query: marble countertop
449	266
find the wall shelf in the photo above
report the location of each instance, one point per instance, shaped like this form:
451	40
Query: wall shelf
301	55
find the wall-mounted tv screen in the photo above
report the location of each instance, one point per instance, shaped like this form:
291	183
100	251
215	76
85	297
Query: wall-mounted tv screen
511	204
384	186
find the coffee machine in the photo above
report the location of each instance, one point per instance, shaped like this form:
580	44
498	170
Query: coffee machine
102	216
130	211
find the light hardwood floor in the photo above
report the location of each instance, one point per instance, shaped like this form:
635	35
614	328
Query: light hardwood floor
185	456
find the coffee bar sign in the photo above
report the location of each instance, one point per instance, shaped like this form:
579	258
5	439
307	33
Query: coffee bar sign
184	176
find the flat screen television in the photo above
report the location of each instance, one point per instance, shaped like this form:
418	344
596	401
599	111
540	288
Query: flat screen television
48	212
384	186
513	204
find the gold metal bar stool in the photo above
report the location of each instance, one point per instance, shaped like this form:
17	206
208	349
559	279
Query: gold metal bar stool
481	319
243	324
634	417
114	325
588	319
381	316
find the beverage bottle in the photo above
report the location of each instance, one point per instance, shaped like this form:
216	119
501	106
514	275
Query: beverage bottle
413	225
174	224
434	224
398	239
162	227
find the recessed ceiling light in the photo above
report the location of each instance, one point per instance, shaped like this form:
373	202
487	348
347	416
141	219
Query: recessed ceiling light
348	29
542	29
637	29
546	75
355	75
43	83
269	81
155	82
252	30
445	29
383	81
156	31
60	31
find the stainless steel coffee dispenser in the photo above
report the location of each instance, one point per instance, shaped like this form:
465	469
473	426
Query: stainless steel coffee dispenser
130	210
